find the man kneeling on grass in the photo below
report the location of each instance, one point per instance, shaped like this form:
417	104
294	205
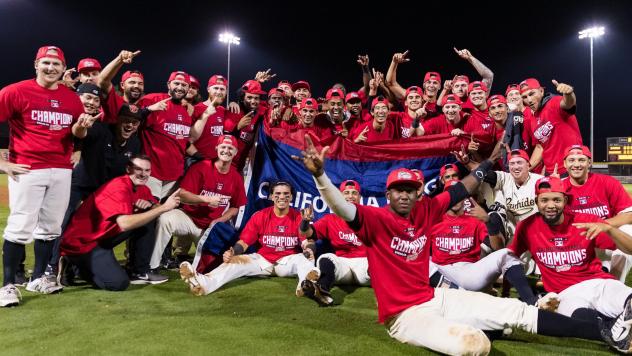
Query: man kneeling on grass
282	253
121	209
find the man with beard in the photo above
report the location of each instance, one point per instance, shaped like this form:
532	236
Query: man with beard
208	117
193	96
449	321
279	112
336	118
165	134
282	253
213	192
378	129
122	209
348	263
353	103
43	117
563	245
601	195
89	70
552	122
308	113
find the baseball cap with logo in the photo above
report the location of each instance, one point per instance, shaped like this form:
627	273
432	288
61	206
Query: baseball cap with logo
130	111
276	91
449	184
577	149
496	99
194	82
477	85
227	139
180	75
432	75
50	51
451	99
549	185
419	174
415	89
379	100
89	88
252	87
349	183
402	176
217	79
132	74
461	78
88	64
334	93
301	84
512	87
309	103
353	97
518	153
445	168
528	84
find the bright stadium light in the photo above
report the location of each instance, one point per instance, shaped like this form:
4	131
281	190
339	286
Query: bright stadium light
591	33
230	39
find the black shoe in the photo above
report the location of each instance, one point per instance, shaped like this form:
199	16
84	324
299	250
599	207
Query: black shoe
618	334
170	263
150	277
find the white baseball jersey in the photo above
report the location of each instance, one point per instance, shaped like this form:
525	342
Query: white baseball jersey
516	202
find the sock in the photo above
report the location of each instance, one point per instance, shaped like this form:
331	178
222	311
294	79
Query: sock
43	250
12	255
553	324
587	314
327	274
515	276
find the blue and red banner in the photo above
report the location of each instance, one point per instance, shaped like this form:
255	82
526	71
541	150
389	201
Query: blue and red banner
369	164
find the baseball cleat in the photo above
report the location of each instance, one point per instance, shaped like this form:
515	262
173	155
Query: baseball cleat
549	302
618	334
314	291
9	296
45	285
188	274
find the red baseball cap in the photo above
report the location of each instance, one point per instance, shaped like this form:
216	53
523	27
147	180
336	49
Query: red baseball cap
414	88
432	75
284	82
419	174
309	103
402	176
518	153
50	51
179	75
349	182
449	184
301	84
461	78
496	99
88	64
276	91
132	74
445	168
335	93
583	150
555	185
477	85
215	80
451	99
227	139
528	84
512	87
252	87
379	100
353	96
194	82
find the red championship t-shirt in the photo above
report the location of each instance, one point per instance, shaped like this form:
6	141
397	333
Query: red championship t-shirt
212	130
112	105
398	253
564	257
457	239
277	236
440	125
95	219
600	195
40	122
204	179
164	136
245	136
390	132
343	239
404	123
555	129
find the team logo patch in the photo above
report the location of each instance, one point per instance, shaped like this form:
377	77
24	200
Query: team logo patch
133	108
281	228
404	175
456	229
220	186
582	200
559	241
179	117
54	103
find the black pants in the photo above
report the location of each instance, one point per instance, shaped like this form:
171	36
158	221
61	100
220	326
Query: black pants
100	266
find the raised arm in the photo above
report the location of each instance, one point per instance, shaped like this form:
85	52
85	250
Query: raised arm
569	100
104	80
481	69
391	76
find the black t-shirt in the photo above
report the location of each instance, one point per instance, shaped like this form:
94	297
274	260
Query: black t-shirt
101	157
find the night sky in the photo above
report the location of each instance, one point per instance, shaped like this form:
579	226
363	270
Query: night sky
319	42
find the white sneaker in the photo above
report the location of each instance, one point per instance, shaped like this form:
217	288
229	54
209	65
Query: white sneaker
189	275
45	285
549	302
9	296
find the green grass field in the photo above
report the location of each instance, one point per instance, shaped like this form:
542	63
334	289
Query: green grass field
246	317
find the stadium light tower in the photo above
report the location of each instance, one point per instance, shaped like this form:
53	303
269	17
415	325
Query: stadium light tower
230	39
592	33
